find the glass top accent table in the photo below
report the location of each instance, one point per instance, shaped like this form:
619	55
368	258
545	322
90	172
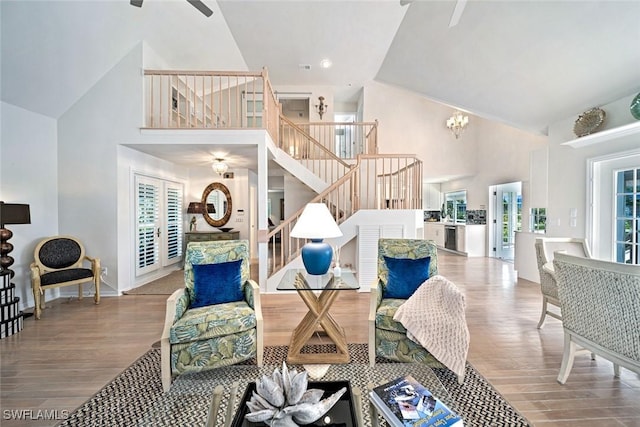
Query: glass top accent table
318	315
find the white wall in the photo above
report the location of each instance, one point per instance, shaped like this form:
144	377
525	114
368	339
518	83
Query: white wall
502	156
88	136
28	174
567	180
412	124
487	153
296	195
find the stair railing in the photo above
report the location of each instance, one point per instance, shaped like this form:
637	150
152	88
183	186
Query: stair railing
346	140
374	182
303	147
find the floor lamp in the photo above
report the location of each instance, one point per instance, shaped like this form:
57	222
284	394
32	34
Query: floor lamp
10	213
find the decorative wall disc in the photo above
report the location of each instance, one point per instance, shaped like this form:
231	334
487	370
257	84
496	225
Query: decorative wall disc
589	121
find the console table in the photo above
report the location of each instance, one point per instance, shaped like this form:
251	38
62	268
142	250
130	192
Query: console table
328	286
207	236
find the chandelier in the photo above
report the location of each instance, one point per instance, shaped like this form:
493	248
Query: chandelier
220	167
457	122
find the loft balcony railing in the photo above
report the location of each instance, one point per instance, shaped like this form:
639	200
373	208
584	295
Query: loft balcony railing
374	182
211	100
245	100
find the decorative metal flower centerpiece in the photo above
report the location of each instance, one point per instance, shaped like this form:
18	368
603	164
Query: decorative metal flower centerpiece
284	401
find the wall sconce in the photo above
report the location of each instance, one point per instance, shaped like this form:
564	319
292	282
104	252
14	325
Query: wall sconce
322	107
457	123
220	166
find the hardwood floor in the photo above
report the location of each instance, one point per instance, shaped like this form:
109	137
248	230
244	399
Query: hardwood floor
60	361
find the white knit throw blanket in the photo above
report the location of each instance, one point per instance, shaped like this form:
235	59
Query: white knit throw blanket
434	317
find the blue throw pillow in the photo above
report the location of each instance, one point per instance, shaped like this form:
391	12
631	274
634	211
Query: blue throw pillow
216	283
405	276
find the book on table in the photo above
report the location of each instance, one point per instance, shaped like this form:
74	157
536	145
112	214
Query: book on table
404	402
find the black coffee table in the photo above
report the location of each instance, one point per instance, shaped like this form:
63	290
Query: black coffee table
342	414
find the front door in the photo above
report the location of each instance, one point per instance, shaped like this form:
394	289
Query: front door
508	218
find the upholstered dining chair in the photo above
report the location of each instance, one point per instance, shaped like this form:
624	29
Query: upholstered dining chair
61	261
387	337
545	248
216	319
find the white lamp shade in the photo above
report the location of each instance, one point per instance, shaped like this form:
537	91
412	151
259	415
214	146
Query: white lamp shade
316	222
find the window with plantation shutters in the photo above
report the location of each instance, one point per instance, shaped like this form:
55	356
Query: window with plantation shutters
173	198
159	232
147	223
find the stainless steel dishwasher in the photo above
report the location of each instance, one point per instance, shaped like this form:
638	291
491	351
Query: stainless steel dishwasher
450	237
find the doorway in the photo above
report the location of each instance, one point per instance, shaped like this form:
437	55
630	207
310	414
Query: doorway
507	219
295	109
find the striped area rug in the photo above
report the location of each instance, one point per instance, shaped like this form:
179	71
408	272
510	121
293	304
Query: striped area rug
135	397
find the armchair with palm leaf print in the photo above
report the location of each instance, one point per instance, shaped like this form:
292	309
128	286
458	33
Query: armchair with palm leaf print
387	337
216	319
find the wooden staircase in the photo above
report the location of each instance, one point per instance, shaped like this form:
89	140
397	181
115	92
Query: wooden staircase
339	161
374	181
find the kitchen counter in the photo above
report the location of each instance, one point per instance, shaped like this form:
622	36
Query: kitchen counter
469	240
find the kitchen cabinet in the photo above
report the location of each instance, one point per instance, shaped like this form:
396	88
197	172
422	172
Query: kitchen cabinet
460	238
471	239
434	231
432	197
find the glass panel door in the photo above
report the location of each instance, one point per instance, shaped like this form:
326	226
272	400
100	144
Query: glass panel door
159	223
508	218
173	218
627	214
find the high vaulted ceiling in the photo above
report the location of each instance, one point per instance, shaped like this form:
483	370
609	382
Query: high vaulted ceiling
524	63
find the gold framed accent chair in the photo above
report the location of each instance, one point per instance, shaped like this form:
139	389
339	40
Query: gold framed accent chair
60	261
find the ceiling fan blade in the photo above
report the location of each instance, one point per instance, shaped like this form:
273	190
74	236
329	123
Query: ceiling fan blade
457	13
201	7
136	3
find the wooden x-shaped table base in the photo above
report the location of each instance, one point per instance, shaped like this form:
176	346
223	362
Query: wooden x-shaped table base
318	316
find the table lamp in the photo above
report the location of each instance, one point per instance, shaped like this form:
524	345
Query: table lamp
10	213
316	223
194	208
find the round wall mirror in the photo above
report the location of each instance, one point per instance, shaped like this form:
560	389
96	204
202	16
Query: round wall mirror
217	199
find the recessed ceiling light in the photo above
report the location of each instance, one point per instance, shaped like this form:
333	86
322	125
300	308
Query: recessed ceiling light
325	63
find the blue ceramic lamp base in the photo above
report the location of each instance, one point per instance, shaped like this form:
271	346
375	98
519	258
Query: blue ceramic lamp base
316	257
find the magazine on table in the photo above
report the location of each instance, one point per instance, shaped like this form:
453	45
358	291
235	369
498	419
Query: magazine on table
404	402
